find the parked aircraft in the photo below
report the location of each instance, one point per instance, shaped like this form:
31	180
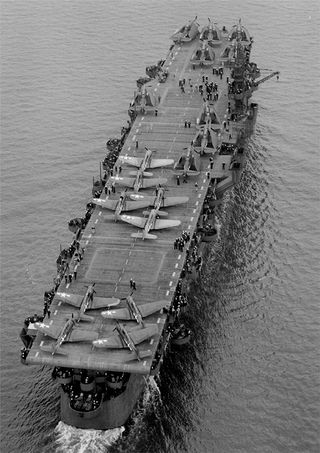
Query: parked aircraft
122	204
149	223
138	182
63	334
146	162
160	200
87	302
187	164
123	338
135	312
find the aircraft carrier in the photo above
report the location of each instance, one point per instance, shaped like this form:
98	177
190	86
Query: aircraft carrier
122	284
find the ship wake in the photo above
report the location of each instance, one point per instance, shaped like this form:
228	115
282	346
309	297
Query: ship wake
74	440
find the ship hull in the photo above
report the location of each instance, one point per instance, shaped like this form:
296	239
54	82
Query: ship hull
112	413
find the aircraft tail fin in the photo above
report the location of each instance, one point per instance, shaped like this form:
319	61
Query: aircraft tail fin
145	173
143	235
52	349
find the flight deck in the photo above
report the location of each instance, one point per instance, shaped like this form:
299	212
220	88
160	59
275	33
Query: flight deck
111	257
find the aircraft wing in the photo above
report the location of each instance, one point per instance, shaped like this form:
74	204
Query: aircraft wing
103	302
130	160
152	307
108	204
112	342
50	330
172	201
123	181
136	221
138	336
132	205
165	223
150	182
72	299
160	163
119	313
82	335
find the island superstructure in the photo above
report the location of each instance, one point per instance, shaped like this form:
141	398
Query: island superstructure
121	285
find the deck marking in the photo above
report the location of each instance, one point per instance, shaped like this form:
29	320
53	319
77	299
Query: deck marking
167	293
179	257
137	130
90	235
194	210
55	313
142	118
129	148
60	303
100	212
170	284
36	354
41	343
152	340
133	138
204	181
191	219
87	242
176	265
119	279
67	285
97	220
173	274
189	227
158	320
201	188
51	322
197	203
127	261
199	196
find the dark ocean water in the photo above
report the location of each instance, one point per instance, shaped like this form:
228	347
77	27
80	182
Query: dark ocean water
249	382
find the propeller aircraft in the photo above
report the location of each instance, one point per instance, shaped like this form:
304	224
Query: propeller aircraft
123	338
135	312
138	182
87	302
159	201
187	164
149	223
122	204
66	333
145	162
